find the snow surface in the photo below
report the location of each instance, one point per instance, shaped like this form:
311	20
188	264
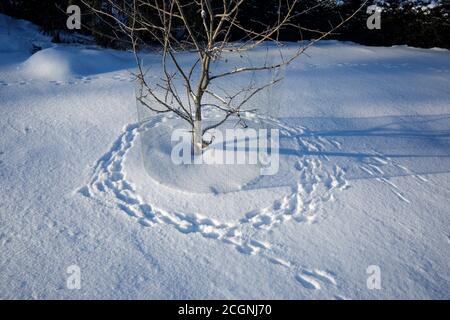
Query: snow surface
364	180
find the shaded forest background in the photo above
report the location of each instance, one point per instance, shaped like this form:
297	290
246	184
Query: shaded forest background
419	23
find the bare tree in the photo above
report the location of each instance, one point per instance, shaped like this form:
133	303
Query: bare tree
205	28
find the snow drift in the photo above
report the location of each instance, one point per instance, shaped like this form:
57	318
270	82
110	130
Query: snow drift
63	62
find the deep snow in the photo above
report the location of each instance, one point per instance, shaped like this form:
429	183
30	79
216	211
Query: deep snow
364	180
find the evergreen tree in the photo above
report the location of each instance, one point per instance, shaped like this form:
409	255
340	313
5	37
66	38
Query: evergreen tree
402	21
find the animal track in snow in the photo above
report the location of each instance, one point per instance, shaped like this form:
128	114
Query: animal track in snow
314	279
122	77
109	184
307	281
377	164
317	181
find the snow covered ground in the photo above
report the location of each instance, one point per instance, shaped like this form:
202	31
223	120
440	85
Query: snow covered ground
365	137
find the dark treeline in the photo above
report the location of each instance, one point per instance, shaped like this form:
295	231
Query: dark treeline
402	21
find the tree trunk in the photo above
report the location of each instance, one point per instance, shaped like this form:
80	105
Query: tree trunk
197	139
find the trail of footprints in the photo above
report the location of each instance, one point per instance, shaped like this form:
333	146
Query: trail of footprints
317	184
128	77
301	205
122	77
375	166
